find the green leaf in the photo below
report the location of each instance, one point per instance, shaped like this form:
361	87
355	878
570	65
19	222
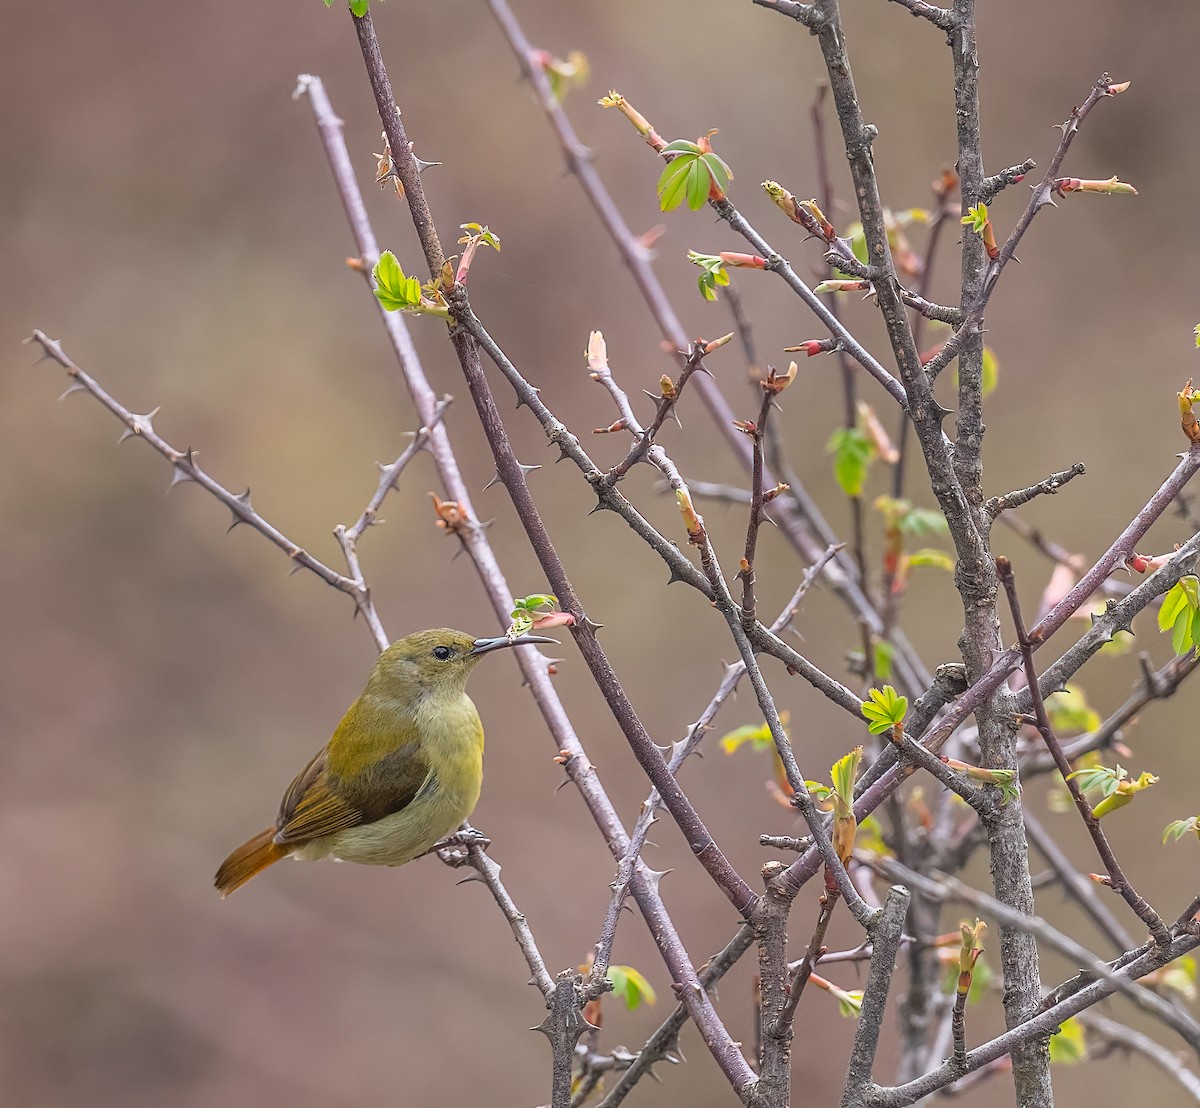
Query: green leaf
359	7
1173	603
1176	829
631	986
1181	637
719	173
1196	332
849	1002
884	708
843	774
990	377
758	734
698	183
681	146
536	601
975	218
858	243
394	290
853	451
1068	1044
673	183
1100	779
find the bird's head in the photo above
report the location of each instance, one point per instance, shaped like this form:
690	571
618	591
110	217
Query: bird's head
436	661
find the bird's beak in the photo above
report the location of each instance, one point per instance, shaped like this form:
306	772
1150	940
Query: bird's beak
482	646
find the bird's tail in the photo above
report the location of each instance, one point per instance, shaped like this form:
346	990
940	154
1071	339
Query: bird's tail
249	858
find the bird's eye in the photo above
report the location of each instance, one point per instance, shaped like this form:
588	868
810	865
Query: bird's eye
441	653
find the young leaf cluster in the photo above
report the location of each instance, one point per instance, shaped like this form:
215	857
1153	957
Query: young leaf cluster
693	174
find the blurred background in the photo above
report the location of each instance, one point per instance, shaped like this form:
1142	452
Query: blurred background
169	216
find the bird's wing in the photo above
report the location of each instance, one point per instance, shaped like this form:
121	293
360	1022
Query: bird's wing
311	808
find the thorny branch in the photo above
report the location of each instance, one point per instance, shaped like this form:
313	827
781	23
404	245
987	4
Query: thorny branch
955	472
725	1051
577	765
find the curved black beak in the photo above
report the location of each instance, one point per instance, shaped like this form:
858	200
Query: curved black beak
482	646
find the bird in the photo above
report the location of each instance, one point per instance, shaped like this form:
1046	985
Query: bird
403	768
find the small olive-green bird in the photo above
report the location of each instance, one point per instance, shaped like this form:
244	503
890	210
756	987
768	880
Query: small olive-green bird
402	771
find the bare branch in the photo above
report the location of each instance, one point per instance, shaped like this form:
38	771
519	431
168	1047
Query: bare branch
1050	485
184	468
1120	883
1114	1036
469	848
577	765
888	933
939	17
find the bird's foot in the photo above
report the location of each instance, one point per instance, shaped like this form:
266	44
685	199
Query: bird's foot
455	849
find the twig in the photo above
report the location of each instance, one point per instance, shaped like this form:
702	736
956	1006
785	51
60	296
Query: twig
1039	1027
942	887
390	474
1156	684
577	765
348	537
791	514
757	432
887	937
994	185
1050	485
184	468
939	17
1042	196
679	753
1116	1036
563	1026
1077	886
661	1043
802	971
468	849
1116	615
1119	882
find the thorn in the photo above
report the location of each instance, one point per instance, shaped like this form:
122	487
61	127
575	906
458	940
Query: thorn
675	576
600	507
141	425
494	480
178	473
74	386
244	500
656	875
474	875
423	165
527	469
591	625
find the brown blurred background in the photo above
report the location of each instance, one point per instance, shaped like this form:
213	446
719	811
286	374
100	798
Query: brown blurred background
169	216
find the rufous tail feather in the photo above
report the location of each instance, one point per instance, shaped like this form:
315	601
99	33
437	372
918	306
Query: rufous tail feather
249	858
